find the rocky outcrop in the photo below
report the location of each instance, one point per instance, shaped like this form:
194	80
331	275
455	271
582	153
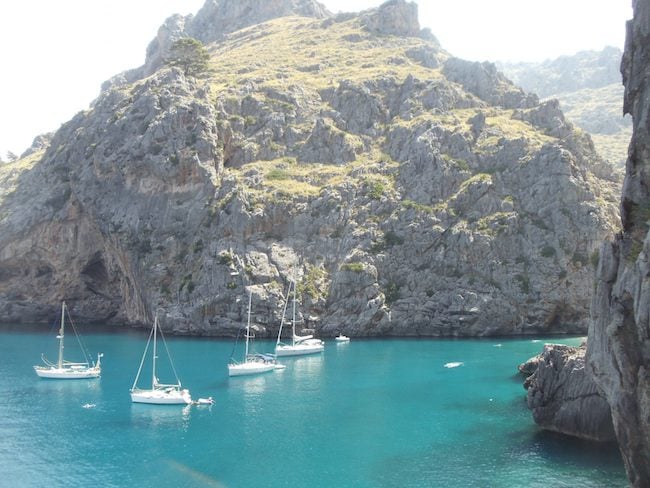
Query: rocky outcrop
220	17
566	74
484	81
563	397
411	199
213	21
394	17
40	143
618	352
588	86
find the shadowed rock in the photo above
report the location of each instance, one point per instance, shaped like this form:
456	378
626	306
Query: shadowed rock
563	397
619	335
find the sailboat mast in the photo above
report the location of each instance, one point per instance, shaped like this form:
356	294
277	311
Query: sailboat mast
61	331
155	353
284	314
248	324
293	318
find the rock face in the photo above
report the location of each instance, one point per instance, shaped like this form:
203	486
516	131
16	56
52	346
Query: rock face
563	397
414	193
588	85
619	334
395	17
212	22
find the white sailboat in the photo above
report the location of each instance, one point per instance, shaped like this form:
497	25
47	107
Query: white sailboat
300	345
159	393
253	363
68	370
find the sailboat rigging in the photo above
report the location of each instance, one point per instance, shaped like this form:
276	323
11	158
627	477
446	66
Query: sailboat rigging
159	393
252	363
64	369
300	345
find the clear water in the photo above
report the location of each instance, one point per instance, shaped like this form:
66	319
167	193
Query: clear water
380	413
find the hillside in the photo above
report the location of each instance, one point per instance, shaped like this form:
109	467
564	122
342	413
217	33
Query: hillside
589	88
415	193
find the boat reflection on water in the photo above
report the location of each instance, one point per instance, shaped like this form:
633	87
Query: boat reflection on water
305	368
59	393
160	415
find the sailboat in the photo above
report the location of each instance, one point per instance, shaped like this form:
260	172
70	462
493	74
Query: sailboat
68	370
300	345
253	363
159	393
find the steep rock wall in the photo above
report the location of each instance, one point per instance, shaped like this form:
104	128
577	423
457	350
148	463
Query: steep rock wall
618	349
563	397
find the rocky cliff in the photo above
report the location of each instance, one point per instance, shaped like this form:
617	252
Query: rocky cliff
618	348
563	396
589	88
415	193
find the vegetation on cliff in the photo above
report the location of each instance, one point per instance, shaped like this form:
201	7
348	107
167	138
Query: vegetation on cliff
416	193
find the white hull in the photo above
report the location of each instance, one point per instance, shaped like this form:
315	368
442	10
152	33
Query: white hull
67	373
298	349
160	393
161	397
68	370
342	338
250	367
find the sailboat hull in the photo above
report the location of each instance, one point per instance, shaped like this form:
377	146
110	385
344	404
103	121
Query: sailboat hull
67	373
68	370
299	349
161	397
251	367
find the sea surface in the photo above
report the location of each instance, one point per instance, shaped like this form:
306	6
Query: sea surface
371	413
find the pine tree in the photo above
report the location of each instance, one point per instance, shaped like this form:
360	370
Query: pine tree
190	55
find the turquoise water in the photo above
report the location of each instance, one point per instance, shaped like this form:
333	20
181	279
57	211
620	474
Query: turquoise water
374	413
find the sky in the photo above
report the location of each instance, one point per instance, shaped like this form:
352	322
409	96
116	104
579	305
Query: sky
54	55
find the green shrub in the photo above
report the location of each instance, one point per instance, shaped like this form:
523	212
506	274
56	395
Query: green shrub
225	258
278	174
595	258
187	283
548	251
391	293
392	239
406	203
579	259
377	190
354	267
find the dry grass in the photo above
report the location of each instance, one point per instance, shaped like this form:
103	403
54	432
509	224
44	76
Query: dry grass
10	172
299	51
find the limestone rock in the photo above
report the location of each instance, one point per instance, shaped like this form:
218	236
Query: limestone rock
212	22
394	17
564	398
618	352
219	17
402	202
484	81
39	143
588	86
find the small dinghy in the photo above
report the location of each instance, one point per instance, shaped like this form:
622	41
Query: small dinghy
205	401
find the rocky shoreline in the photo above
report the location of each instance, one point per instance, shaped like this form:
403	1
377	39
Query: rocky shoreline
563	397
